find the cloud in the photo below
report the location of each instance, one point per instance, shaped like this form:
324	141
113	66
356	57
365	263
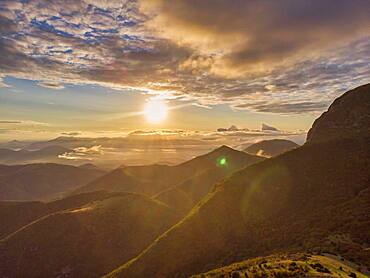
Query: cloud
83	153
23	123
255	35
74	133
9	122
286	107
159	132
232	136
2	84
265	56
51	85
91	150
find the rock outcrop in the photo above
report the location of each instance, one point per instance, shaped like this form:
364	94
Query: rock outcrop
347	117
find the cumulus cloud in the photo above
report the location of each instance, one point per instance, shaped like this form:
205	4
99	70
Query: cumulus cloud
92	150
83	153
267	56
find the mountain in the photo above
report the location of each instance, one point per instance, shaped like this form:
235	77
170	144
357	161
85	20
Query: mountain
270	148
186	194
42	181
87	241
16	214
49	153
315	197
100	230
14	144
266	127
342	120
89	166
154	179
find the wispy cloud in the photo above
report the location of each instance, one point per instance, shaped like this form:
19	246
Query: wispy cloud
2	83
72	133
23	123
51	85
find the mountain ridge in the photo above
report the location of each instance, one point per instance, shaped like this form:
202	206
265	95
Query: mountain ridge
270	148
153	179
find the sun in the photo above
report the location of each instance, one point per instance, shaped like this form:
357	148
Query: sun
155	111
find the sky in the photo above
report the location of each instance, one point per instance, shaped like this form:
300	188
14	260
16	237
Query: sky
89	67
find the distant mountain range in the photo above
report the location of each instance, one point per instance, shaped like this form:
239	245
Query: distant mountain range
46	154
186	183
14	145
42	181
270	148
305	212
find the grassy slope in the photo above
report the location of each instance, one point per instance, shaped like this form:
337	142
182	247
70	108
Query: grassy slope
287	265
14	215
139	179
295	201
86	241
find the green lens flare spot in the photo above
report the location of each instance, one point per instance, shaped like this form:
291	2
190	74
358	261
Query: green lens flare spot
222	161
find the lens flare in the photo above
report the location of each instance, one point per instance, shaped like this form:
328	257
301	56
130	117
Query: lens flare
222	161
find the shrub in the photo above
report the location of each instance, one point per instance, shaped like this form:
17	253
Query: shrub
235	275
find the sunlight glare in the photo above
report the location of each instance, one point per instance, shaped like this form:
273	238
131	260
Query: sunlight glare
155	111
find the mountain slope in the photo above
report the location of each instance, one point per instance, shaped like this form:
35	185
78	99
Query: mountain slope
86	241
289	265
153	179
140	179
314	197
14	214
294	201
42	181
270	148
186	194
342	120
